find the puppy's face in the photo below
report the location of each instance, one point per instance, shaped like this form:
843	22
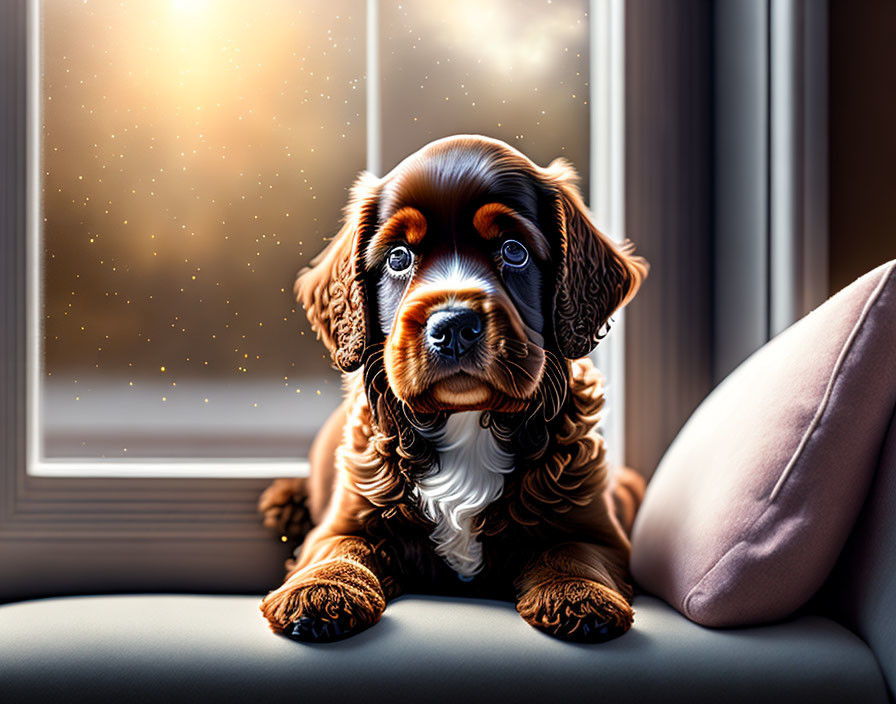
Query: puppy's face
460	305
466	268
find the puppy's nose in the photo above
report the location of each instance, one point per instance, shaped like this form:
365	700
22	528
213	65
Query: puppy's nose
453	332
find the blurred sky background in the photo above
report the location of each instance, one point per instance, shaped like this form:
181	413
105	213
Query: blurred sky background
196	154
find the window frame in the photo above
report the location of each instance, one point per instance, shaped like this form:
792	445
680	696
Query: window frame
63	534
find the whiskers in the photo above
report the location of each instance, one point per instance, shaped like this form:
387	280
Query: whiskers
550	386
516	374
526	432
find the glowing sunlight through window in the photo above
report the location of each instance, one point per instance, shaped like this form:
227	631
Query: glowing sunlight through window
196	153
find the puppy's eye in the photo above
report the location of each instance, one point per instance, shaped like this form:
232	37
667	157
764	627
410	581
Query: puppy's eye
514	254
399	259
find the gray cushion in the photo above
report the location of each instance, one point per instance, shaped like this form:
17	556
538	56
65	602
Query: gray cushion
425	649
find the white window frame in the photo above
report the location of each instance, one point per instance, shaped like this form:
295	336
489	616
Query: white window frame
184	526
607	196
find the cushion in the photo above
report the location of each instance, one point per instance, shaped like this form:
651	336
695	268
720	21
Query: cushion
861	592
754	499
425	649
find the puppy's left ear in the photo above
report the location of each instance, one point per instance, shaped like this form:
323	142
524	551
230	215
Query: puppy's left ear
595	276
331	289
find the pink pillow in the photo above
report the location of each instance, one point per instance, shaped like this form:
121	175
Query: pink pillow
751	504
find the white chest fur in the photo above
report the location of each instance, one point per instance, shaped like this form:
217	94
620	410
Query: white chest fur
469	477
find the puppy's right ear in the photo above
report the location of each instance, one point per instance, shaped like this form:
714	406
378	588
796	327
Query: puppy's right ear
331	289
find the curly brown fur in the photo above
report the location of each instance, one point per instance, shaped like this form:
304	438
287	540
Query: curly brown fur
284	508
339	588
628	489
331	289
594	277
575	609
551	541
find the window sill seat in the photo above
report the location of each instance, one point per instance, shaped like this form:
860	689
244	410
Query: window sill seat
171	648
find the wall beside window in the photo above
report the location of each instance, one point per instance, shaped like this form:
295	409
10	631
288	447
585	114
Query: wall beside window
668	214
862	103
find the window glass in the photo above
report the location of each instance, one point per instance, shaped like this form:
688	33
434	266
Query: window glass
195	154
512	69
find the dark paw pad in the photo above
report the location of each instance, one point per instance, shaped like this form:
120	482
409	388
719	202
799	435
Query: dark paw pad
595	630
319	630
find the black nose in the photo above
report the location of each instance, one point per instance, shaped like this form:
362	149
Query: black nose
453	332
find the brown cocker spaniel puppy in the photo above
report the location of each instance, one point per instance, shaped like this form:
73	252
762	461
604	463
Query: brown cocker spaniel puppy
460	300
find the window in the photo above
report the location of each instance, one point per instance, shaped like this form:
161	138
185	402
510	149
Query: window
189	168
194	156
142	487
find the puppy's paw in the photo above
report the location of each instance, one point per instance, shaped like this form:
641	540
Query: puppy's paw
283	506
326	601
576	609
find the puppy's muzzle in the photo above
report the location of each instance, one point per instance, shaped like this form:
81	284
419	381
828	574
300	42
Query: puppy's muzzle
452	333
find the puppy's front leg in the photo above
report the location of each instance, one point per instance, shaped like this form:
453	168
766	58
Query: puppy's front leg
577	591
333	593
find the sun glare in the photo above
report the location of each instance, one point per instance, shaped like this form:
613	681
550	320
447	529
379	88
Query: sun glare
190	8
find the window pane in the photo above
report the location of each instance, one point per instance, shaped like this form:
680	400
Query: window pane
195	155
512	69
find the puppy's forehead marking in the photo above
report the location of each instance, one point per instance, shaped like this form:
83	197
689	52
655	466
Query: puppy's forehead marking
455	273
